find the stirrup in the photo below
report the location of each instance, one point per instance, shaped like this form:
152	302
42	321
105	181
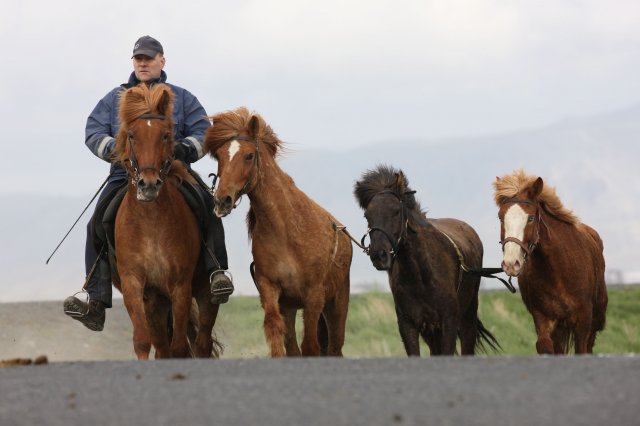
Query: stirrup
221	295
227	273
79	314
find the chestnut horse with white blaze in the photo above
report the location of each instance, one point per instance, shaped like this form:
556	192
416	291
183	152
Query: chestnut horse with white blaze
157	238
301	257
558	260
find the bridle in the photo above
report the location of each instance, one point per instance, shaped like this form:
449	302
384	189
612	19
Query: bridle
528	249
245	187
404	220
166	165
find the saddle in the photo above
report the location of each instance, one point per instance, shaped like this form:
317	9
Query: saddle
104	218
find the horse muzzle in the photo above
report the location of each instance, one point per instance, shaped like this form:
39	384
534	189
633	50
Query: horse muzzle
381	259
148	191
222	206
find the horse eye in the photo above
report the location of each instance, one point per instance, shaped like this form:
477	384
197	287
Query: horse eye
531	218
165	137
249	156
130	135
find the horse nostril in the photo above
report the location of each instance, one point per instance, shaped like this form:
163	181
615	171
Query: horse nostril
141	183
227	202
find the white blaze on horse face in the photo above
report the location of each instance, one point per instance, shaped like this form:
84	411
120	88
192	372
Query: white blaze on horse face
149	123
234	147
515	219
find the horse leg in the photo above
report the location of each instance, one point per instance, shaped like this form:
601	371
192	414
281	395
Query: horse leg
207	314
582	331
336	315
544	329
469	329
290	339
132	293
409	334
156	308
273	321
433	341
310	317
180	309
449	333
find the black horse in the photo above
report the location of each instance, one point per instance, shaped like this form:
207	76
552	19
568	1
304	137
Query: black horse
429	262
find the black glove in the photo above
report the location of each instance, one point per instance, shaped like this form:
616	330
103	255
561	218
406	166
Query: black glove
180	151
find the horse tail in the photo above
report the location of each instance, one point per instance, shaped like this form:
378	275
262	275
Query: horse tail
192	332
323	335
565	338
485	336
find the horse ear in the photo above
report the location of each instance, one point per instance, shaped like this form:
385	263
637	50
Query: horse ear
537	188
165	102
254	126
401	181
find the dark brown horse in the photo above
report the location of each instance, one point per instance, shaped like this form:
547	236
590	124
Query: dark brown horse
428	262
302	260
157	239
558	260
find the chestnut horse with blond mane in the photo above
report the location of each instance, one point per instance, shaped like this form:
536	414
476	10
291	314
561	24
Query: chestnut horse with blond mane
157	239
558	260
301	257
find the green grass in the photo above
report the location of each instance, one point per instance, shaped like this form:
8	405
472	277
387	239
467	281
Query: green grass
372	330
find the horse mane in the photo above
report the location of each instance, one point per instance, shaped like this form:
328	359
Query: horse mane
510	186
385	178
139	100
230	124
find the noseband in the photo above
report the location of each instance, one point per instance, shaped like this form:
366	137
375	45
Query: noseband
404	220
166	165
528	249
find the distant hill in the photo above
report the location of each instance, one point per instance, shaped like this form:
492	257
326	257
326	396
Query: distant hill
592	162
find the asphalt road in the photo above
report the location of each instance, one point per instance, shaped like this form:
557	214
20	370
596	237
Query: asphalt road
394	391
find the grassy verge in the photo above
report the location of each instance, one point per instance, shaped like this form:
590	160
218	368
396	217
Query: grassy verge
372	329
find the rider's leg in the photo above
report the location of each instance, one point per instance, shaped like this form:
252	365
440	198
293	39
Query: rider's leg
91	313
221	283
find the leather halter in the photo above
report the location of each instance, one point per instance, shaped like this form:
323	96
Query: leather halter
395	243
166	165
528	249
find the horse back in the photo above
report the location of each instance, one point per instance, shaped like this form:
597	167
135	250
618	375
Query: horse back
464	237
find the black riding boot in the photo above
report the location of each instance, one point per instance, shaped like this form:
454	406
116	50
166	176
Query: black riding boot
215	261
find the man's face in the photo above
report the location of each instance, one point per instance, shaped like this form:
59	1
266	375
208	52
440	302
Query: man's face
147	68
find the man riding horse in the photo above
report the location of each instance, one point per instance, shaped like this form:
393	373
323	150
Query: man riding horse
191	123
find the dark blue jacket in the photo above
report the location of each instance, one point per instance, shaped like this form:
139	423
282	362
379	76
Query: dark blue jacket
189	118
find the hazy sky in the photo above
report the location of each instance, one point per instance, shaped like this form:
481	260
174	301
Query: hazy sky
333	74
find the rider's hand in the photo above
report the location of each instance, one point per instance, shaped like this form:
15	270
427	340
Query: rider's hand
180	151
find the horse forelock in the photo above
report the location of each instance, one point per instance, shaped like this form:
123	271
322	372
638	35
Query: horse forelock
139	100
230	124
384	178
514	184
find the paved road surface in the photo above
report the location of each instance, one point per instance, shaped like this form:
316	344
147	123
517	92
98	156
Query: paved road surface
395	391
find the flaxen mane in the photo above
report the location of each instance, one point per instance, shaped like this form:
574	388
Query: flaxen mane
139	100
228	125
509	186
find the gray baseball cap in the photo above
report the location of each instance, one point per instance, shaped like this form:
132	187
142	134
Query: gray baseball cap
147	46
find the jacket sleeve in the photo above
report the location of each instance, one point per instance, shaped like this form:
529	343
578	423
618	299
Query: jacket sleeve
196	124
98	132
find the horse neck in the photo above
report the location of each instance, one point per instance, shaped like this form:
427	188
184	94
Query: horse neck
272	189
415	253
